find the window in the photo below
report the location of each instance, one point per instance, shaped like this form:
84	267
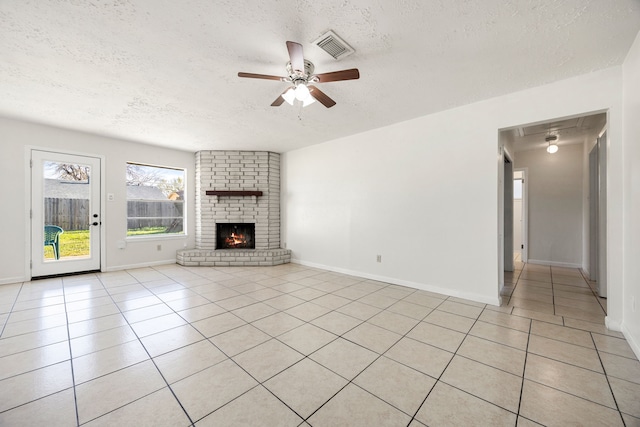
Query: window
517	189
155	200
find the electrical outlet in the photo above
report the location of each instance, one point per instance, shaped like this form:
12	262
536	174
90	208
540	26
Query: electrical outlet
379	258
159	247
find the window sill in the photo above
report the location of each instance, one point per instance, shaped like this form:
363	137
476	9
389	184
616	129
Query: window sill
151	237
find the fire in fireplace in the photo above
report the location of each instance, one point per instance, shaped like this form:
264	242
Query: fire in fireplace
235	236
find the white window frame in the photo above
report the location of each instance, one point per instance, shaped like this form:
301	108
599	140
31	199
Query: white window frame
153	236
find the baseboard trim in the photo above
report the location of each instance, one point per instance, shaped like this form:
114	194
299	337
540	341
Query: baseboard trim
11	280
554	263
612	325
141	265
421	286
633	343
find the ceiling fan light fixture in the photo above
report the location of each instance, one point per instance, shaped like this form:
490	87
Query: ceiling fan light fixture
552	148
310	100
300	75
302	92
289	96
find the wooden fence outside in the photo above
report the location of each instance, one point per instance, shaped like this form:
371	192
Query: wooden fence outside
74	214
70	214
155	213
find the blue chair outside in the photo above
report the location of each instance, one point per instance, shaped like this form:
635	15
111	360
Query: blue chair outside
52	238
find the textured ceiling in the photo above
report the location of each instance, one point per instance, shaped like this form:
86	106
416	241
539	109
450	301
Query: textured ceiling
165	72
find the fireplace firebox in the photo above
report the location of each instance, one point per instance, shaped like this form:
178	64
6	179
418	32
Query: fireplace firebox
235	236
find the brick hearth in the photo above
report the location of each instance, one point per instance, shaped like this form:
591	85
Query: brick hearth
237	171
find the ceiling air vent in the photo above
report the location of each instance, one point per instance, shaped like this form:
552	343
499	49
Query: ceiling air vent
333	45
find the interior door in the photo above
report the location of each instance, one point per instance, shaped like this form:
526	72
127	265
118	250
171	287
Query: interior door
65	213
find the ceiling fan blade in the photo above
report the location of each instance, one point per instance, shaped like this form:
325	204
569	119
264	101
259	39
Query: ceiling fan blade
321	97
296	57
351	74
259	76
280	99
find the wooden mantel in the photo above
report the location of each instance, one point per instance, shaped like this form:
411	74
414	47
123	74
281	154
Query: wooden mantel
231	193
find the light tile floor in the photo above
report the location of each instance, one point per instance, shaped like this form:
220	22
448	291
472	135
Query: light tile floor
297	346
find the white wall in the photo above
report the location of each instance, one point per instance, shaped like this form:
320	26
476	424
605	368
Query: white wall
398	191
555	205
631	136
16	136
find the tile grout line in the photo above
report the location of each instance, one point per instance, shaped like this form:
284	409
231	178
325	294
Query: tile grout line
150	358
404	298
33	370
553	294
524	369
15	301
439	379
515	285
259	383
230	358
606	376
380	355
595	294
383	310
337	337
73	378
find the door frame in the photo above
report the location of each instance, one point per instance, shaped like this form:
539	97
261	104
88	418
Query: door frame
29	190
508	212
525	210
593	212
603	244
503	152
603	157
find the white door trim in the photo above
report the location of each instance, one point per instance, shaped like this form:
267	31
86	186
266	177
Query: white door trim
28	201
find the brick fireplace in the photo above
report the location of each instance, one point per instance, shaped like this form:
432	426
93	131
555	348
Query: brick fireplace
236	188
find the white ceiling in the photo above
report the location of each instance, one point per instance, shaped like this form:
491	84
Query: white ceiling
165	72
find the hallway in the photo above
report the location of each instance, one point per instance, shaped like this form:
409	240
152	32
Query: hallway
553	294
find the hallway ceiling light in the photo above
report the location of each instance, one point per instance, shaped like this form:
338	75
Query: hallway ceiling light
552	148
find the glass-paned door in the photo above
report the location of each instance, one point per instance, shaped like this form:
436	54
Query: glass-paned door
65	211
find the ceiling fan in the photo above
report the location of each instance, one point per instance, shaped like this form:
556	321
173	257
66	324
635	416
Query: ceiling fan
301	77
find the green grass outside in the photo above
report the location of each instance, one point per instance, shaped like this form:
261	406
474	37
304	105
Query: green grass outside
146	230
72	243
76	243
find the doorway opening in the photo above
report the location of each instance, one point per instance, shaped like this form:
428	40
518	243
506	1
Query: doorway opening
519	216
563	195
